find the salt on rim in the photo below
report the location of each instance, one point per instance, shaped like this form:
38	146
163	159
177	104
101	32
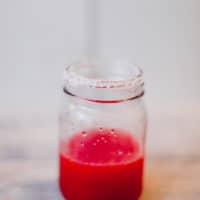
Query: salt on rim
75	79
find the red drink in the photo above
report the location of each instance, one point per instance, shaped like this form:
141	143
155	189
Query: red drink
101	164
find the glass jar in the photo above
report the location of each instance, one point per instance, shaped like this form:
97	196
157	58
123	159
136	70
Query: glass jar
102	132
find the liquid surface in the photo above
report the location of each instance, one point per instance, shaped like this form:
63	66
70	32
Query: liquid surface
103	164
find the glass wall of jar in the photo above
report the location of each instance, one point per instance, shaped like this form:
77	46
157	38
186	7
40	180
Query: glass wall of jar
102	131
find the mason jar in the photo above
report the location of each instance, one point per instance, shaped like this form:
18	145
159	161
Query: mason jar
102	131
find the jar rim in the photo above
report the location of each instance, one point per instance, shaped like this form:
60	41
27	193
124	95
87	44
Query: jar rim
104	81
74	76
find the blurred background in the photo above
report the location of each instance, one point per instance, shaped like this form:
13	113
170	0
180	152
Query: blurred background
38	38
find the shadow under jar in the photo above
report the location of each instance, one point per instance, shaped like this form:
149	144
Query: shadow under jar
102	132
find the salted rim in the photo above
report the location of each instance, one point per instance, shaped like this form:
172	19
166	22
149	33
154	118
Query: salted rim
72	77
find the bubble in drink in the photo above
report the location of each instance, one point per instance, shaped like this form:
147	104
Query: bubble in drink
84	134
120	153
112	131
82	144
100	129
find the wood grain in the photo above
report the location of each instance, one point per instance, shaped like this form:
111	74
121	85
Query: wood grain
28	159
